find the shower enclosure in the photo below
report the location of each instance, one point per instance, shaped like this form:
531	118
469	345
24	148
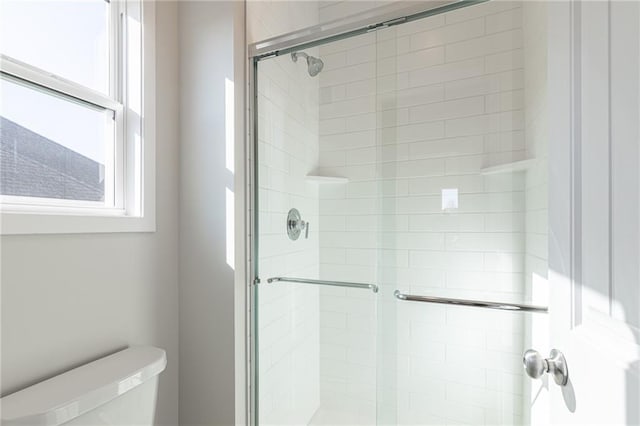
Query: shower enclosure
400	217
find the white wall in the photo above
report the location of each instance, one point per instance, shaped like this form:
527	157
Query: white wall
211	75
269	19
69	299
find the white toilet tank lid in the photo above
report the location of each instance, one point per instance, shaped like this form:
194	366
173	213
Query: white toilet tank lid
71	394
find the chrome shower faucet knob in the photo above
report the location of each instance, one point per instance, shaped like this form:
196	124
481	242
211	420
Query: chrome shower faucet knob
556	365
295	225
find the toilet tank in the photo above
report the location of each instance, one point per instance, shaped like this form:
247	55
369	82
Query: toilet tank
119	389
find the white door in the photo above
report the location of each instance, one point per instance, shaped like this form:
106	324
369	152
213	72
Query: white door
594	200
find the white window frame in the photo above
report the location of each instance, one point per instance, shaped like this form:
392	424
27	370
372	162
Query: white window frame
133	197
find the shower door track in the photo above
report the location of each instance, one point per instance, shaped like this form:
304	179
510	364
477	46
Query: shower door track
351	26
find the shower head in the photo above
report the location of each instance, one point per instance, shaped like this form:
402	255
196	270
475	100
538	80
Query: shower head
314	64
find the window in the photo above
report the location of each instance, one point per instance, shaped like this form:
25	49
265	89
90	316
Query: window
76	116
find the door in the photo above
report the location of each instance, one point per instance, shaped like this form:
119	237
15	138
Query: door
594	216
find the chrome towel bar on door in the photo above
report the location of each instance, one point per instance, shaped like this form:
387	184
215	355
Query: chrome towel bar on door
371	287
472	303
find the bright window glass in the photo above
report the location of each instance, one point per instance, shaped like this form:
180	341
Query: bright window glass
67	38
53	146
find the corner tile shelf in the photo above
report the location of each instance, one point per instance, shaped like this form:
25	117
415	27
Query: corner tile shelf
516	166
325	179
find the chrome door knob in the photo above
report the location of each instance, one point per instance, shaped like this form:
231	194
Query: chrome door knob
556	365
534	364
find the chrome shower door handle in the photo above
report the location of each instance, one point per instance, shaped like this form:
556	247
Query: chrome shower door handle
556	365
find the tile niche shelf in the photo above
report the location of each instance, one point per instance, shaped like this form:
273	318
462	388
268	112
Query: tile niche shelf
325	179
516	166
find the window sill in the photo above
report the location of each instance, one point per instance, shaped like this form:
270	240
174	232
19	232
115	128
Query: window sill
14	223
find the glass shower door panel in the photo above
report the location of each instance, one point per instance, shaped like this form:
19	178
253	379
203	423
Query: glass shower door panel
287	313
462	179
317	342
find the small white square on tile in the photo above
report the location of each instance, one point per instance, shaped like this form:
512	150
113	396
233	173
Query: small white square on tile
449	199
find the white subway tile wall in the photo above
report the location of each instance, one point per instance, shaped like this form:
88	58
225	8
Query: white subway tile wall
404	113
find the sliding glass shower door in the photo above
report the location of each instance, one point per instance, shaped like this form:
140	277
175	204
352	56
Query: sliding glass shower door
401	223
316	315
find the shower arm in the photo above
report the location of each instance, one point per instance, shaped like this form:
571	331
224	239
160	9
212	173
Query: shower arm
294	56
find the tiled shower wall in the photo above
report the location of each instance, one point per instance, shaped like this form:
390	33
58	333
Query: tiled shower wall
404	113
288	151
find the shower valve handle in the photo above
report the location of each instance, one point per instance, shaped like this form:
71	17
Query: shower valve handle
295	225
302	225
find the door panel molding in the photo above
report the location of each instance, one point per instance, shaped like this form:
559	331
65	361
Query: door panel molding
605	162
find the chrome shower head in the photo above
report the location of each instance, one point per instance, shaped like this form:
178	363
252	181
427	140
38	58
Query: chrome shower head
314	64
